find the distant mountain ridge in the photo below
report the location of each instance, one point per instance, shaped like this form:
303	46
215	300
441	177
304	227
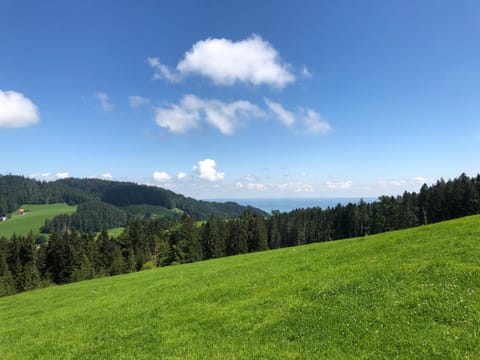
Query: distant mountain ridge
17	190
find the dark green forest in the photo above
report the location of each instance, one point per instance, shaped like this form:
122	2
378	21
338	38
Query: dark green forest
18	190
91	216
70	255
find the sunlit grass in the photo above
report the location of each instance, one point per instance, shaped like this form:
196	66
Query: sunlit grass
33	219
406	294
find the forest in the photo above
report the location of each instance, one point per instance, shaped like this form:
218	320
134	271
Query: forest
18	190
70	255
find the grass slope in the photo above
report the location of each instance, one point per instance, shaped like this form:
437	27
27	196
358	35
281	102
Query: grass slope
115	232
160	211
408	294
33	219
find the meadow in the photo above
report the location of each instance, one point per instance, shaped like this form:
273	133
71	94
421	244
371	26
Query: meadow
115	232
409	294
160	211
33	219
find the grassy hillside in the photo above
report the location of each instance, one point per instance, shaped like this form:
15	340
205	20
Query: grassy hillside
159	211
33	219
407	294
115	232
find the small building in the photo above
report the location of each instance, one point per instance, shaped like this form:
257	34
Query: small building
21	211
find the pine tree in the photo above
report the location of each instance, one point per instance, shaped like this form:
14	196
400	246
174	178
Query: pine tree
7	283
60	257
260	234
236	240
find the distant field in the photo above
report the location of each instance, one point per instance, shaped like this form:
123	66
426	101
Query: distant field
33	219
115	232
143	209
411	294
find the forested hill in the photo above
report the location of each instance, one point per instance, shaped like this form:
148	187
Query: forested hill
18	190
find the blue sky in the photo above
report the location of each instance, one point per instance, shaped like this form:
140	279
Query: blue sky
242	99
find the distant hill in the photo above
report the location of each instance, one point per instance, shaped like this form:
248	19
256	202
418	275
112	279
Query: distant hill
405	294
18	190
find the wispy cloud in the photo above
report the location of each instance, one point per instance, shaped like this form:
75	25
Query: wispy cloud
137	101
104	101
162	71
290	186
249	178
16	110
305	72
286	117
308	120
339	184
191	111
411	183
314	123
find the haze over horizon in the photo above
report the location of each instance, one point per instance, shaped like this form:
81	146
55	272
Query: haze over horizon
268	99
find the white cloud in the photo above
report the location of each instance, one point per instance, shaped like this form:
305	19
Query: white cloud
16	110
226	117
340	184
162	71
106	176
48	176
137	101
181	175
161	176
104	101
286	117
62	175
177	118
421	180
207	170
226	62
314	123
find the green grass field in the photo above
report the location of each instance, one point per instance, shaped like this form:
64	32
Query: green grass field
412	294
142	209
115	232
33	219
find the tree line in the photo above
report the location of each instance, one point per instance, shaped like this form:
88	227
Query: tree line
91	216
70	255
441	201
